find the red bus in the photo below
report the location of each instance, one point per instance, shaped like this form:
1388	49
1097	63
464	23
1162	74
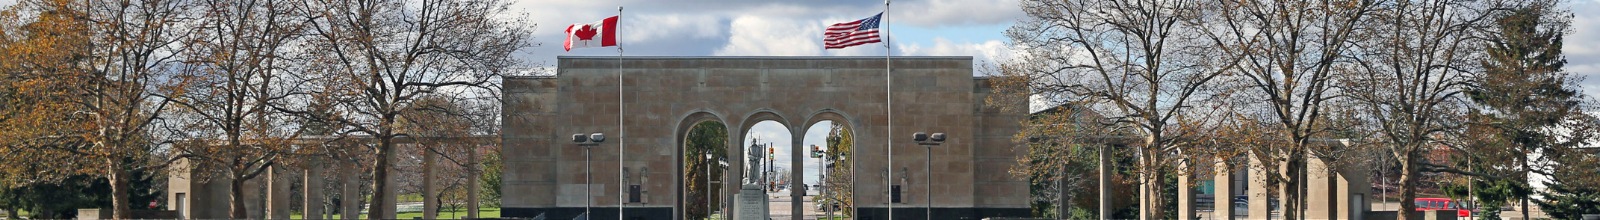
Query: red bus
1428	204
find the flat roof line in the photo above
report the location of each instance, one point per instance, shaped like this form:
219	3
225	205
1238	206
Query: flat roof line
761	57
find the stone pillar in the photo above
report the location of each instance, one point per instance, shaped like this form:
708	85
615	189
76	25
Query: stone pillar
796	177
1105	181
473	168
1322	195
1356	186
1144	190
253	199
1222	188
430	192
1257	191
350	181
314	198
1185	190
389	201
278	179
734	176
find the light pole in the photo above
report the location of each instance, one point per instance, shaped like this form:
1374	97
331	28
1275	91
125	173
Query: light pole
708	184
928	141
588	141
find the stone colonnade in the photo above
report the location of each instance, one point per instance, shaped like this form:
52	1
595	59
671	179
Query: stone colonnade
1332	192
196	198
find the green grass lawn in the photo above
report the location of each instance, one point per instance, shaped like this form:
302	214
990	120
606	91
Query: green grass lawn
482	213
19	213
409	197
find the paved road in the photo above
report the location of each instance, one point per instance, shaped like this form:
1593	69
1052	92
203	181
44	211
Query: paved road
780	206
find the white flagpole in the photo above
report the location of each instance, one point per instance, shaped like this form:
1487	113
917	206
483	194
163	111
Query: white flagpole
622	132
888	66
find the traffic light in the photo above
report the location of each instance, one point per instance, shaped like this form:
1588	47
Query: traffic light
816	151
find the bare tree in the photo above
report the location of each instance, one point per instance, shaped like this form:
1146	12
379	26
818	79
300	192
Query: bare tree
120	53
383	55
1137	63
233	75
1412	74
1291	51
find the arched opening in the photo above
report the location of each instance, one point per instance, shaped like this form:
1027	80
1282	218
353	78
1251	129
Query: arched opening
702	164
828	168
772	142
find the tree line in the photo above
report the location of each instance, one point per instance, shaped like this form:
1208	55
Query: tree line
1195	82
113	88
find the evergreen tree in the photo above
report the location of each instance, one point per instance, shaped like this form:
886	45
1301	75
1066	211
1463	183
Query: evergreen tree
1573	191
1522	93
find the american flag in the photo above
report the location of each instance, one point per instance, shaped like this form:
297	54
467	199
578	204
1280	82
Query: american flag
858	32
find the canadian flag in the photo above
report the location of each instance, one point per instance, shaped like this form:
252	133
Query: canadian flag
598	34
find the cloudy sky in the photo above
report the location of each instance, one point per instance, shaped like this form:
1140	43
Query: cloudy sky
773	28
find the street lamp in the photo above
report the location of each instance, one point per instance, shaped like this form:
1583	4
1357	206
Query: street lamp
928	141
588	141
708	183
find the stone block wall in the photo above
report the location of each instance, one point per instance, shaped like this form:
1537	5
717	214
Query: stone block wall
546	171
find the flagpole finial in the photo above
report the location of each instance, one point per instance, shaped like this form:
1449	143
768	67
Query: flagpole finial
619	8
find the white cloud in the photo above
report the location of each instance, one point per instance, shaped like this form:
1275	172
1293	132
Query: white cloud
1584	27
765	36
1582	47
673	26
937	13
981	52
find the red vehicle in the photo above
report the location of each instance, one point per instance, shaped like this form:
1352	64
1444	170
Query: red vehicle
1429	204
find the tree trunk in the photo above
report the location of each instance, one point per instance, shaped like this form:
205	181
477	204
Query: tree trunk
1408	185
236	208
380	172
473	169
1151	187
1526	168
1291	203
119	190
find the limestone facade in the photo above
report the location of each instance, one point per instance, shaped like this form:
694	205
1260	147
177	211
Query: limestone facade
663	96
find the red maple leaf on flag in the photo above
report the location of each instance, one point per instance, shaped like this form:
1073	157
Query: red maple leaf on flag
586	32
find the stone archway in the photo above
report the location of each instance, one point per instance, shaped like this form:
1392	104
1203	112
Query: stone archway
659	94
758	116
684	129
836	118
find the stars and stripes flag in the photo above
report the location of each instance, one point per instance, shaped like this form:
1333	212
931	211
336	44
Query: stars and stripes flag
858	32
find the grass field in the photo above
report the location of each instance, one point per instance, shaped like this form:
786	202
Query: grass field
19	213
482	213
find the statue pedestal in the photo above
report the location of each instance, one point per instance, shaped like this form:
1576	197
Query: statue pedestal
750	203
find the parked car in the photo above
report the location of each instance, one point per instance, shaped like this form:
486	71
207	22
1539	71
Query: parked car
1428	204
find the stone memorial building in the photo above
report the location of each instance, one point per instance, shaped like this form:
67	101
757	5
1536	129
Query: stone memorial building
662	97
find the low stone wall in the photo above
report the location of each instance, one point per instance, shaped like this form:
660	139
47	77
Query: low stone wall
137	214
